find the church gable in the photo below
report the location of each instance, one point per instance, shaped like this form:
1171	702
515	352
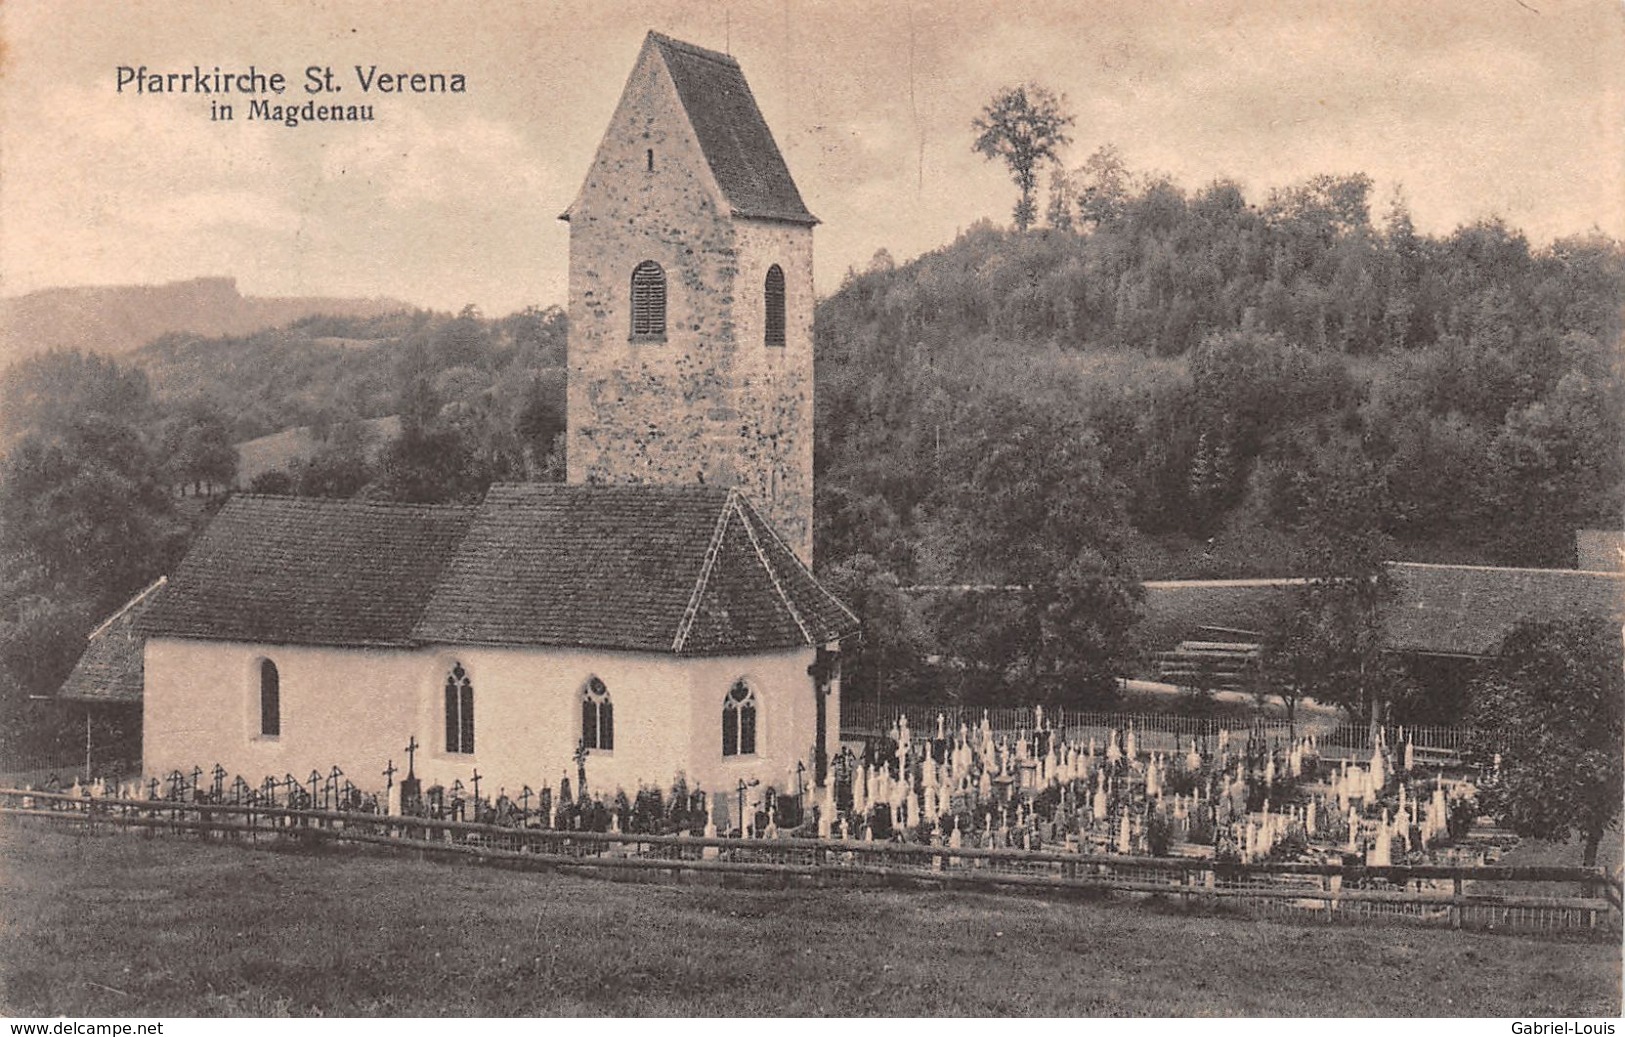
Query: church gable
650	161
691	106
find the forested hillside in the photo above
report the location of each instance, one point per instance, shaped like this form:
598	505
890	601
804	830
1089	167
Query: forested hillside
1235	369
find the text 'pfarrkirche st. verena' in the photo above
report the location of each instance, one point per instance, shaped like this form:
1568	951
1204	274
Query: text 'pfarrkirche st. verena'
317	79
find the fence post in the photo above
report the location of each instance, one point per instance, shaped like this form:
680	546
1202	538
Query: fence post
1455	902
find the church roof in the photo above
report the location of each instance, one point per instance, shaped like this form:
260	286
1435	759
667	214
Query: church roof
690	570
737	144
293	570
1469	609
111	668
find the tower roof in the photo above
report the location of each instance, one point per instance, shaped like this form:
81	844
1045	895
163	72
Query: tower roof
737	144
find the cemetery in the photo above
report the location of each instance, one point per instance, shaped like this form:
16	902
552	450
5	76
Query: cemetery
1254	820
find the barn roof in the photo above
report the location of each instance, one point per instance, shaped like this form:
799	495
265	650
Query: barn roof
1469	609
673	569
111	669
734	137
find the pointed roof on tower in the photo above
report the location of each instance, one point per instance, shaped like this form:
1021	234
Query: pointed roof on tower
737	143
738	147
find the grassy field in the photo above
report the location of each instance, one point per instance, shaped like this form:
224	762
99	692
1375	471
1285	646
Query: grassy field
118	925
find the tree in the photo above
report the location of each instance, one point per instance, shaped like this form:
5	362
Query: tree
888	658
1102	187
1023	126
1553	708
1033	511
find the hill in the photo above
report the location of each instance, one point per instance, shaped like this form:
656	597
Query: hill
287	449
116	319
1243	374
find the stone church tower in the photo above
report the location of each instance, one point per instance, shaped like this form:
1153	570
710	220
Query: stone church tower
691	295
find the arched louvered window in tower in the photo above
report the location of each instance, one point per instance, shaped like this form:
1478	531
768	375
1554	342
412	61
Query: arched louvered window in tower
774	299
648	301
459	711
597	717
270	700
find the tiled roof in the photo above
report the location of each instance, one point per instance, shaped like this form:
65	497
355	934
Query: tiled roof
641	568
110	670
673	569
1468	610
732	133
290	570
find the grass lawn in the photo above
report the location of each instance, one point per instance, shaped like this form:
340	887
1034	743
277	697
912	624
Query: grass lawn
121	925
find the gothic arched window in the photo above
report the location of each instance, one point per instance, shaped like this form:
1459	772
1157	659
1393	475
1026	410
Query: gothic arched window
270	700
597	716
648	300
774	299
739	721
459	711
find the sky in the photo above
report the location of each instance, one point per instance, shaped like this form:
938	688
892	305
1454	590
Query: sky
1486	108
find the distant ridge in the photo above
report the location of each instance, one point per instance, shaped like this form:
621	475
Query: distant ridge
116	319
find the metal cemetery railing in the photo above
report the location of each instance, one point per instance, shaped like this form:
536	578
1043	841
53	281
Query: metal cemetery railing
1441	895
1156	732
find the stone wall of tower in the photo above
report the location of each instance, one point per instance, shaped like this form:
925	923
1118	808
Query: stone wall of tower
711	403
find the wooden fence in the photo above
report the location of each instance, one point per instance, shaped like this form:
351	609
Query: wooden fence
1440	895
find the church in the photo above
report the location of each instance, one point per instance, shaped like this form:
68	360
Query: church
657	614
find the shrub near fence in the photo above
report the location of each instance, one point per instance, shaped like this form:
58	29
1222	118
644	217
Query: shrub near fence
1426	895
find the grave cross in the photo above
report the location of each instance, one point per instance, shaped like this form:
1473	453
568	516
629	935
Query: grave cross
411	755
743	785
524	800
333	784
219	774
238	788
197	776
389	776
315	780
152	789
476	789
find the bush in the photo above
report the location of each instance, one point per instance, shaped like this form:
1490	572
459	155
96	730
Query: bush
1159	833
1201	827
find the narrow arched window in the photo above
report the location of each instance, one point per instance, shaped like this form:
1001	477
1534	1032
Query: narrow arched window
774	299
459	711
597	716
648	300
270	700
739	721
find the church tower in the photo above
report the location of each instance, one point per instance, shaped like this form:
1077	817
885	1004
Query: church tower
691	295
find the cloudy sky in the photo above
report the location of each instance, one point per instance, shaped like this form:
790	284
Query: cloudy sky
1509	108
